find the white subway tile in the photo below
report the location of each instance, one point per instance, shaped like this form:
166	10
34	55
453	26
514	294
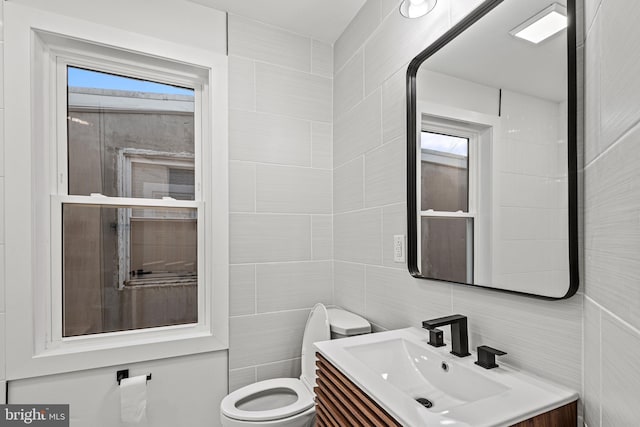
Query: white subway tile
394	222
259	41
348	86
239	378
620	67
358	131
541	337
321	145
242	187
397	41
322	58
592	398
590	10
349	286
397	300
269	238
593	144
286	369
285	189
293	285
242	84
348	186
293	93
2	103
360	28
620	373
390	6
321	237
266	338
357	236
459	9
268	138
394	107
612	195
385	174
242	289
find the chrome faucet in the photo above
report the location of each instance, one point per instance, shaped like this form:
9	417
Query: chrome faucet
459	333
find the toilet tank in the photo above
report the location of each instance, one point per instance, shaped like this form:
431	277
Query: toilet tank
345	324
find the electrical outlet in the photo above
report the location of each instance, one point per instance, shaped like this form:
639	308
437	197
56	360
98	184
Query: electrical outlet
398	248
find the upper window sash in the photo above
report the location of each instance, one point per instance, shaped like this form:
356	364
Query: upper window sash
124	68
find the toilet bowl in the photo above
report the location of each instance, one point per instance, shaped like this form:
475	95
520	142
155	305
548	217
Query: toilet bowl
289	402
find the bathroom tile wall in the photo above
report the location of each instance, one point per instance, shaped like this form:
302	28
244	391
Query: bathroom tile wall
612	201
281	203
2	303
540	336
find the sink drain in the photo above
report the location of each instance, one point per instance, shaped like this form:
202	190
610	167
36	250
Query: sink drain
424	402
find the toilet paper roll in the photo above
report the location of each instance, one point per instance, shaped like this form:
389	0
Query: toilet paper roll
133	399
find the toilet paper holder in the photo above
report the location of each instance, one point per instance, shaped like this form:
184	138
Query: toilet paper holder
124	373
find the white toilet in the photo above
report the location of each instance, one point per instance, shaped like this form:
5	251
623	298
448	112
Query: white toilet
288	402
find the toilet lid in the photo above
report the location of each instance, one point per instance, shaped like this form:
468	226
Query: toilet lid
317	329
242	398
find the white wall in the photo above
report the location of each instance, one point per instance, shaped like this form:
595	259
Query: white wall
280	126
612	202
370	61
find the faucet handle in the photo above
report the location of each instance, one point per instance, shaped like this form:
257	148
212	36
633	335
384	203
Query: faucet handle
436	338
487	356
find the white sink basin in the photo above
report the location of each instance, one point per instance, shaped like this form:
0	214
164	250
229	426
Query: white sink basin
397	367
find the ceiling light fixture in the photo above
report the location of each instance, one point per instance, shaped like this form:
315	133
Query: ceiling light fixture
416	8
543	25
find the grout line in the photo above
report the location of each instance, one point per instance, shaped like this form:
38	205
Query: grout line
278	164
266	364
280	262
629	131
255	289
240	316
634	329
600	362
311	236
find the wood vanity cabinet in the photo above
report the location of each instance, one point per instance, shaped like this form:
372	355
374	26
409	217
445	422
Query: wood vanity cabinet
340	403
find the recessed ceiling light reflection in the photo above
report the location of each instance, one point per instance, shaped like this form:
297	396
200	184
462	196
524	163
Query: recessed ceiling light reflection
542	25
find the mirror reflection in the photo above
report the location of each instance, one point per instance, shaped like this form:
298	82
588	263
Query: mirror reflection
491	149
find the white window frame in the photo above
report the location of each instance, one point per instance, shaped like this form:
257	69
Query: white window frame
38	43
480	129
433	125
125	160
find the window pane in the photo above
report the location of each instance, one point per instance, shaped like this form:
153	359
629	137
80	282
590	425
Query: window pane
155	181
115	122
447	248
123	272
445	173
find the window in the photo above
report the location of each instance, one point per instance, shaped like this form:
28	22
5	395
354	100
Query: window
154	174
120	166
454	193
447	205
134	265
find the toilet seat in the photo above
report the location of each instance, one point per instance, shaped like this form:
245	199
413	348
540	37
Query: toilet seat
303	401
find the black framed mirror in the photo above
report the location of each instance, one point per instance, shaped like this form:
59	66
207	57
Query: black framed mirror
492	161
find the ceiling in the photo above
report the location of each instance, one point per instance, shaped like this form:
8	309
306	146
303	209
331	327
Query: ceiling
323	20
486	53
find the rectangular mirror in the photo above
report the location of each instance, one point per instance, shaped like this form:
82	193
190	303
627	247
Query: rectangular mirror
492	151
